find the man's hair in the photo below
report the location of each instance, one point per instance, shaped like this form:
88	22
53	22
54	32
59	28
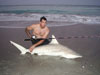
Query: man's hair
43	18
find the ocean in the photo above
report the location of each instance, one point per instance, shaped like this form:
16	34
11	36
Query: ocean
61	14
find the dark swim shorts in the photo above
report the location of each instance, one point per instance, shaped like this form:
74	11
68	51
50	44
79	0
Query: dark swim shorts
46	41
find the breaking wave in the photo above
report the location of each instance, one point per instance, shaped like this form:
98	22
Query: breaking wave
70	19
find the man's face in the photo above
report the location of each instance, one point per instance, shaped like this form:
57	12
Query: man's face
43	23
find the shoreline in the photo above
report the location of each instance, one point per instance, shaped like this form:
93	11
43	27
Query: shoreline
23	24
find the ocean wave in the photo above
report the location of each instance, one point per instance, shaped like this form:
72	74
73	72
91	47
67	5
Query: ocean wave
76	19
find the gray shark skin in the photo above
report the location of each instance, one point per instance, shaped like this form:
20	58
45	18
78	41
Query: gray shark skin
51	49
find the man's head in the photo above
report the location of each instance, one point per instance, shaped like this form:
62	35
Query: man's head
43	21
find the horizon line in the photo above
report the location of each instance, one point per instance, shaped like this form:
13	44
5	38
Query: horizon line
49	5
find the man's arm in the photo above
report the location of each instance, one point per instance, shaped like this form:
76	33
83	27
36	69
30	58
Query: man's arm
44	37
28	29
41	41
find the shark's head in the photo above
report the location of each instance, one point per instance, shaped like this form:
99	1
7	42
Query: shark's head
72	56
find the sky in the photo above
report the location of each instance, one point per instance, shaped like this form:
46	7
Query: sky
57	2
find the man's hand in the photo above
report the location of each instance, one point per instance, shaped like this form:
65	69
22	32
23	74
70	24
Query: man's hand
32	48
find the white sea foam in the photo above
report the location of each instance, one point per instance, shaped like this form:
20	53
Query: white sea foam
51	17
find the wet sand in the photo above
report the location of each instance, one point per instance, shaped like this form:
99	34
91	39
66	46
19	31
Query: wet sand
12	63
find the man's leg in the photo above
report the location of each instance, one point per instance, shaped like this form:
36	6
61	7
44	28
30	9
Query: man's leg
37	40
34	41
45	42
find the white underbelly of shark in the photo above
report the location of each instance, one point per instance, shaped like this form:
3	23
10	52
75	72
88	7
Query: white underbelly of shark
52	49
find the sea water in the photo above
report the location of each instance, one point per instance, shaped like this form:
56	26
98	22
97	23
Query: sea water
61	14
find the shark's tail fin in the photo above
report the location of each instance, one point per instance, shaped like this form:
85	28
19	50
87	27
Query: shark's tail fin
20	48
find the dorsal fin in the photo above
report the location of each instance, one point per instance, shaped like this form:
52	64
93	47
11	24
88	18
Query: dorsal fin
54	40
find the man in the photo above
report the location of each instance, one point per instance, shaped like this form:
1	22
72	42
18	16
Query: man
39	31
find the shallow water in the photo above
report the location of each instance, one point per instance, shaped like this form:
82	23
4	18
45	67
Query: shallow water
45	65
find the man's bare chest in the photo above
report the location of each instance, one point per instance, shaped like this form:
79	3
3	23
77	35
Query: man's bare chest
38	31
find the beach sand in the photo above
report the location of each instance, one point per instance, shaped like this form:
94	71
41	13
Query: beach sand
12	63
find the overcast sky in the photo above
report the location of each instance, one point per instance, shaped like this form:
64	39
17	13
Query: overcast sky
29	2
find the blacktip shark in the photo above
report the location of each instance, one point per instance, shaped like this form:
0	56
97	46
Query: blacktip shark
51	49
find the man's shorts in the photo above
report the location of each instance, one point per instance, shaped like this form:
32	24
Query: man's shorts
46	41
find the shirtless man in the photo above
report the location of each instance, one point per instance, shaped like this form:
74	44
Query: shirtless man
39	31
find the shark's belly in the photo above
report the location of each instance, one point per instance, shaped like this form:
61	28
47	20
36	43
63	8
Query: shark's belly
56	50
47	49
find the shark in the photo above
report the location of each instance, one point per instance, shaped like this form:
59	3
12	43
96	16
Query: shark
54	48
